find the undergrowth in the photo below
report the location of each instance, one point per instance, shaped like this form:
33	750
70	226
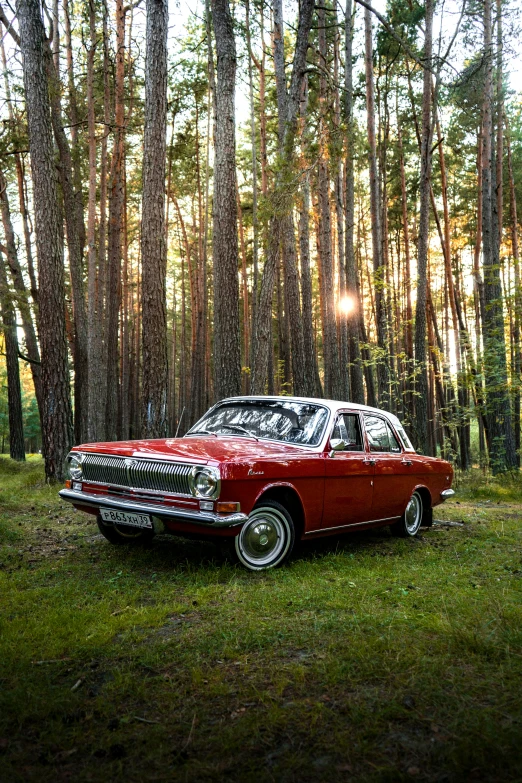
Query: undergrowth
366	658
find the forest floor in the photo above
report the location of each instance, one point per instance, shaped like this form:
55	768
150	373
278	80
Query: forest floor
366	658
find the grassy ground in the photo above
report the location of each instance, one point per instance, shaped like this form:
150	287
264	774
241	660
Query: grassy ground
367	658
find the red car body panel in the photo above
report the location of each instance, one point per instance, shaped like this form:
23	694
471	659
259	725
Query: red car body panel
337	490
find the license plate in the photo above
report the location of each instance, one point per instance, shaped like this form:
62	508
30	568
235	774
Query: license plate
125	518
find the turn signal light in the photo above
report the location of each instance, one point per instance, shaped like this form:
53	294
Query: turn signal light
68	484
225	507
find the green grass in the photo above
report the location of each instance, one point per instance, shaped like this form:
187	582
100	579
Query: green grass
366	658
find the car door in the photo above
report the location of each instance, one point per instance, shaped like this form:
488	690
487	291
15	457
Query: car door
394	473
348	476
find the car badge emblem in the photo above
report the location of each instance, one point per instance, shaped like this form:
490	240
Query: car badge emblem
129	464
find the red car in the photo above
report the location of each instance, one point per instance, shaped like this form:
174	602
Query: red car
262	472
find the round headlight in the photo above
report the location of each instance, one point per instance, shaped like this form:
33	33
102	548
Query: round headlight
205	483
75	466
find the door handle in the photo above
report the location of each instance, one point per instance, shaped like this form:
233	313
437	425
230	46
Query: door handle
370	461
407	462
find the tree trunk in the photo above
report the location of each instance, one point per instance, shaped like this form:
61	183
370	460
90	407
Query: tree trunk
22	302
375	206
116	207
517	325
421	400
57	429
282	204
332	370
354	352
301	384
227	346
94	334
73	212
501	443
14	391
310	353
153	242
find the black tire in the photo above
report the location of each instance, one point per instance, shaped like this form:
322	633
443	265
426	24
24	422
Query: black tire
409	524
124	534
267	538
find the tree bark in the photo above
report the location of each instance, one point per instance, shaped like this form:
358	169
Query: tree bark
421	399
14	390
22	302
501	444
74	227
354	352
153	241
310	353
116	209
301	384
375	206
281	203
227	346
517	321
94	332
57	431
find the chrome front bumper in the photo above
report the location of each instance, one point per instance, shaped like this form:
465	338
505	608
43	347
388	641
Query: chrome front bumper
447	493
163	512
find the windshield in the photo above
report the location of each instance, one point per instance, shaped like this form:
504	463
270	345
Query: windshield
289	422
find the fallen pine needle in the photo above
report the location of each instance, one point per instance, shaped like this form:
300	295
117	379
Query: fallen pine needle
191	732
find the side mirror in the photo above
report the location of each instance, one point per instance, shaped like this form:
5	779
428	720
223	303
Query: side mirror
338	444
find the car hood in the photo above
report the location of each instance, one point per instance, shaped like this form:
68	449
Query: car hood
201	449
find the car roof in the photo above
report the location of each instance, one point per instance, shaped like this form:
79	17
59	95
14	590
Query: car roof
334	405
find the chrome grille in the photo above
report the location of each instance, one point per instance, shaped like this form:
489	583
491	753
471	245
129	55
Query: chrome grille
137	473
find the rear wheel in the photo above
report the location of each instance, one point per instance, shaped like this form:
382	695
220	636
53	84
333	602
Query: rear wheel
410	522
267	537
124	534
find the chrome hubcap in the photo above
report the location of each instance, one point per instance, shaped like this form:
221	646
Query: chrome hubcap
413	514
263	539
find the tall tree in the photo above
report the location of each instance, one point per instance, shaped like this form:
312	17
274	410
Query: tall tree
353	316
114	235
95	324
57	413
22	302
333	386
14	391
227	346
310	353
421	399
500	431
517	321
376	216
301	384
153	239
281	204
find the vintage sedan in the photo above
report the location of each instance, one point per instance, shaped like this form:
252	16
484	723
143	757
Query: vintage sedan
262	473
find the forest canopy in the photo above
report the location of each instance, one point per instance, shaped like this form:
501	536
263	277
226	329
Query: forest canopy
249	198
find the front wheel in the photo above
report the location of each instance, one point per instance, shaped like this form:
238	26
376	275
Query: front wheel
124	534
410	522
267	537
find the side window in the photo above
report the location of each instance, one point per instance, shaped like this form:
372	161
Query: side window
377	432
394	443
353	432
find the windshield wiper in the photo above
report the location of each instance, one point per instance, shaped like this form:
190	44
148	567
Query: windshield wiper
239	428
202	432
